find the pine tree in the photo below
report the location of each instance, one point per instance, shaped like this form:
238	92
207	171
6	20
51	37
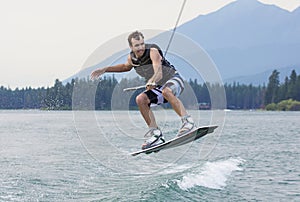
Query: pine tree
292	88
272	88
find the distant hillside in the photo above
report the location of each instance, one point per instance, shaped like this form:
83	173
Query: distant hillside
247	37
263	77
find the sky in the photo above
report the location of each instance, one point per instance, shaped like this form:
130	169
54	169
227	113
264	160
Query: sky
41	41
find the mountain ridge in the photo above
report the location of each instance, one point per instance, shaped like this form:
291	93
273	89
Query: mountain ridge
246	38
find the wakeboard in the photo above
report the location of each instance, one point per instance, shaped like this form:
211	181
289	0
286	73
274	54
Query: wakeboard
178	141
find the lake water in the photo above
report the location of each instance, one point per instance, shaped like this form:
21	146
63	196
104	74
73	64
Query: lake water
84	156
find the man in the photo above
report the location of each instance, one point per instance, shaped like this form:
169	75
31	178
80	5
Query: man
164	84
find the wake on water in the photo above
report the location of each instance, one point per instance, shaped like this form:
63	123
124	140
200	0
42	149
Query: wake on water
212	175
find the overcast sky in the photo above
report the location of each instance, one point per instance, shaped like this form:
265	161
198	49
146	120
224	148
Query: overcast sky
41	40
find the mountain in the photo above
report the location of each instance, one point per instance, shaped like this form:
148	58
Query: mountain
247	37
246	40
262	78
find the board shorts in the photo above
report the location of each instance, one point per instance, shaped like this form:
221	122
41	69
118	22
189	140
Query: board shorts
155	96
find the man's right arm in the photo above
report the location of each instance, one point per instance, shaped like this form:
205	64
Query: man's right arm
115	68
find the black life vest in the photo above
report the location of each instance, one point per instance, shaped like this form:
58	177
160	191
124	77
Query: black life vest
143	66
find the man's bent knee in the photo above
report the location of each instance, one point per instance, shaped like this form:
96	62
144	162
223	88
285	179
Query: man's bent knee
167	92
142	99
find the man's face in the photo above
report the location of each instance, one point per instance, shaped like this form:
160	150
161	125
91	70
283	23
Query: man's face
138	47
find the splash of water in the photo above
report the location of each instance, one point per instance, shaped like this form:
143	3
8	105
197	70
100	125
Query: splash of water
212	175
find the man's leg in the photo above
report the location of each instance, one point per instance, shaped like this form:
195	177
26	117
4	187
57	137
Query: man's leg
143	102
187	121
154	134
174	101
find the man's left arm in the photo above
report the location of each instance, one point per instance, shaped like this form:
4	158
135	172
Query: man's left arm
157	67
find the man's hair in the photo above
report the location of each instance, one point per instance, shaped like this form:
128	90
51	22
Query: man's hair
135	35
